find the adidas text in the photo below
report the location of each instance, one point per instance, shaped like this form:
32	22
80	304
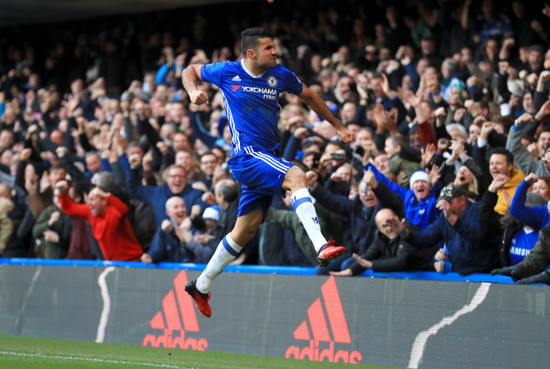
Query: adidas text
315	353
167	340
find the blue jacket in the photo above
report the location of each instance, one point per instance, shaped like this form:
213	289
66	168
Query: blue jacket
169	248
419	213
473	244
156	196
203	134
163	71
535	217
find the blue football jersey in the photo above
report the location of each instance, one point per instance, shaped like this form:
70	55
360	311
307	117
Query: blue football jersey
522	244
251	102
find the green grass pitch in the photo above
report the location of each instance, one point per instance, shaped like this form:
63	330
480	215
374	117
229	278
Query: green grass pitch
46	353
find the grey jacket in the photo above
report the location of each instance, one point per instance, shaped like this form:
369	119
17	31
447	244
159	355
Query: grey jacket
522	157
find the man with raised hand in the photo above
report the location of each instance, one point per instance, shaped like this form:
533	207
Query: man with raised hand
109	220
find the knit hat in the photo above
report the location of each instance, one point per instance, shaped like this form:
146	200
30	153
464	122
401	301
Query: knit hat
419	175
212	212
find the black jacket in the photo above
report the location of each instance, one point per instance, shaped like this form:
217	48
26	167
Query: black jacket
396	255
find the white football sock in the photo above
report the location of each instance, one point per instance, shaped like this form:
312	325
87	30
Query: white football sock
303	206
225	253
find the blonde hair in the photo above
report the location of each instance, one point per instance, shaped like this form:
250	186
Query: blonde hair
472	188
167	170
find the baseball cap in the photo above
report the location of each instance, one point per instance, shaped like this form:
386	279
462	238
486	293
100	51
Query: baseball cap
450	191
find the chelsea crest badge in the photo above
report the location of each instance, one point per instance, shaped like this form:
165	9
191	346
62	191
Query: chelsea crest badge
272	81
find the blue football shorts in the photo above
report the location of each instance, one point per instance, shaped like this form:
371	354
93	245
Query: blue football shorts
261	175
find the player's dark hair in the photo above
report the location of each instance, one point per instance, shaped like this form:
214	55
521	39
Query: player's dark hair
250	38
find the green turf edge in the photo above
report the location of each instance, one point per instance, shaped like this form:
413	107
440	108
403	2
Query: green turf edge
111	355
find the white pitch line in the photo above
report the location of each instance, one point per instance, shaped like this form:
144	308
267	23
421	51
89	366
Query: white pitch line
89	359
420	341
17	321
106	304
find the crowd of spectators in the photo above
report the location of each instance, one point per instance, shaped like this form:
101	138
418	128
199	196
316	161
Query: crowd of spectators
101	151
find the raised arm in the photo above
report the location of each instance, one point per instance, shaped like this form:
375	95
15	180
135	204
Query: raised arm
116	203
315	102
133	181
523	159
69	207
380	177
189	77
532	216
336	203
386	197
199	131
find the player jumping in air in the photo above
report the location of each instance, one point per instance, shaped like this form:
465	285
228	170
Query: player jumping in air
251	89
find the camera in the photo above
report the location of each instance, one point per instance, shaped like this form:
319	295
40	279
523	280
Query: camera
358	150
338	156
316	161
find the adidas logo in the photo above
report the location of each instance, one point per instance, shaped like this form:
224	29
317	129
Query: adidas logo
316	330
236	79
177	314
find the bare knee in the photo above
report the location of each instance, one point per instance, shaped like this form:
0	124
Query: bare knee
294	179
242	236
246	227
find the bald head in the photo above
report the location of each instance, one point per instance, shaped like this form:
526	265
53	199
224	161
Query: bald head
173	202
175	209
381	220
382	215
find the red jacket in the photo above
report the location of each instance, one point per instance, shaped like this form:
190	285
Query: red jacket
427	133
112	230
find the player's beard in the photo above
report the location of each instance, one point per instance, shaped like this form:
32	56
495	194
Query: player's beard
273	62
269	64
